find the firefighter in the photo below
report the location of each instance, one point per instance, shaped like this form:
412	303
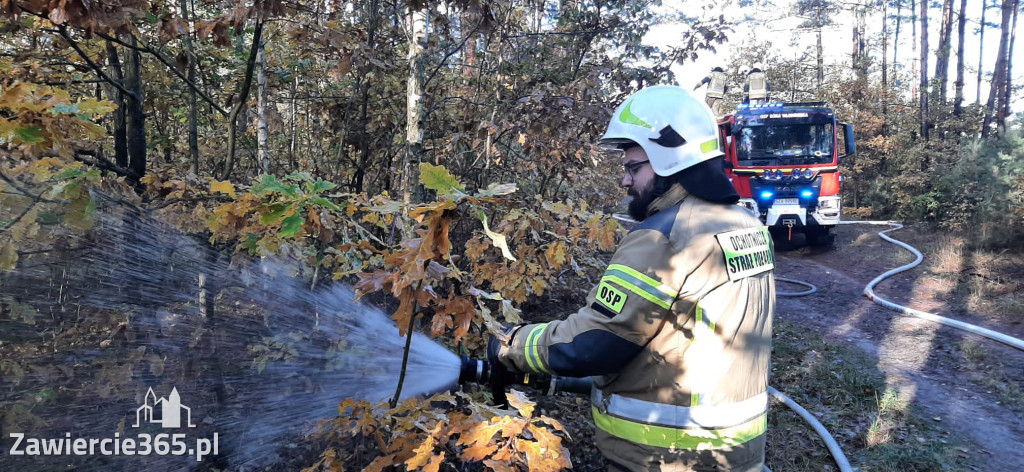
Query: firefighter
716	89
677	333
757	87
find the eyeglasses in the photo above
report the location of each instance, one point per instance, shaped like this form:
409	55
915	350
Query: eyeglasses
633	167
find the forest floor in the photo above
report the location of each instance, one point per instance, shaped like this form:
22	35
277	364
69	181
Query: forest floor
931	397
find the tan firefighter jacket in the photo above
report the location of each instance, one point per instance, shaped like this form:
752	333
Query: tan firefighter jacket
678	336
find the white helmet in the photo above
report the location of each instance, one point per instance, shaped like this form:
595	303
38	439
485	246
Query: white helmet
675	129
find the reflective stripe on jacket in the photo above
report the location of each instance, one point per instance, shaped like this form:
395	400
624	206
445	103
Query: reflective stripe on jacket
679	351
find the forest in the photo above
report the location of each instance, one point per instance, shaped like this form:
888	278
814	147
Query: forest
438	157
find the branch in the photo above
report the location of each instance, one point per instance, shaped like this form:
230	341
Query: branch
52	249
102	163
556	33
23	191
453	50
147	49
167	203
63	30
73	82
35	199
250	66
18	218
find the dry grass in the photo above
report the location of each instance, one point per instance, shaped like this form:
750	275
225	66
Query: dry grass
891	416
877	430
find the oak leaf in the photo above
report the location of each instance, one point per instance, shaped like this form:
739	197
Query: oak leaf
498	466
438	179
435	463
521	402
224	187
380	463
497	239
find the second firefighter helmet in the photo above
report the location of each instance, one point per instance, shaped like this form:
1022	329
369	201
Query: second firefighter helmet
675	129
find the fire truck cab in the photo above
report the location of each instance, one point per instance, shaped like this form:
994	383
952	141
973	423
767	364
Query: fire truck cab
783	159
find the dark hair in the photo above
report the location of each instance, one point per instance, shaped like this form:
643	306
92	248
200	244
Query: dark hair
706	180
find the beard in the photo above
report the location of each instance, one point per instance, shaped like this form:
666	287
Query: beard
641	200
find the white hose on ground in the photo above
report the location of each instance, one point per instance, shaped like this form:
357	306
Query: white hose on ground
810	288
830	442
869	292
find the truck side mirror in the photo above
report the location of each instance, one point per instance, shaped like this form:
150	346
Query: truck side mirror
851	146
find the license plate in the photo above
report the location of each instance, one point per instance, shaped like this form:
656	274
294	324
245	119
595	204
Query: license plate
787	201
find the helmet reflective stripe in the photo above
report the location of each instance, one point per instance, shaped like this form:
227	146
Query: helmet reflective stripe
675	129
630	119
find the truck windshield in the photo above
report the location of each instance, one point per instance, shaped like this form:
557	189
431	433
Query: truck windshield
784	144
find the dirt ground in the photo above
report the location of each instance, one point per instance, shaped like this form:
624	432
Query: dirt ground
964	382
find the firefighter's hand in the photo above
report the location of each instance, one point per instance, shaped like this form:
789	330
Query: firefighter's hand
497	347
501	375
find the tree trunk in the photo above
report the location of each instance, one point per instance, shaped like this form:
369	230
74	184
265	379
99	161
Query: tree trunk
981	51
468	50
821	61
885	51
913	46
961	26
859	43
295	122
364	121
240	99
999	72
1008	82
261	109
136	117
924	77
942	56
412	191
193	118
120	130
896	40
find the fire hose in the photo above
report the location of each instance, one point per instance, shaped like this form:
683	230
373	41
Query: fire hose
869	292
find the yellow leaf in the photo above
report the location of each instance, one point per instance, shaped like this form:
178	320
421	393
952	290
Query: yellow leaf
8	257
497	239
224	187
478	452
422	454
555	254
41	169
95	107
380	463
435	463
521	402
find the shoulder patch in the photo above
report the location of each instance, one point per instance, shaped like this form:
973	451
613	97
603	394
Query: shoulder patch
747	252
611	297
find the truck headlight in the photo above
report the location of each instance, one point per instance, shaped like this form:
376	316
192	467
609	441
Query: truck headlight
828	203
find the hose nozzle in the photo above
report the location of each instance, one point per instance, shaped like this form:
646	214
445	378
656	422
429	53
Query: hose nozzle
474	370
481	372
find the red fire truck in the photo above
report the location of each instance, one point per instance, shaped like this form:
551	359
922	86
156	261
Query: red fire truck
783	159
